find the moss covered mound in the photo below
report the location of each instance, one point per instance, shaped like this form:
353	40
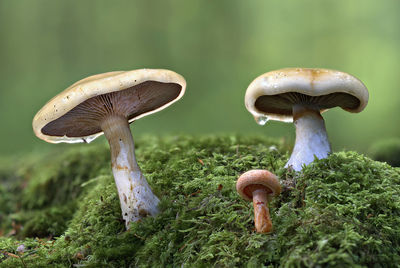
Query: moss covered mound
386	151
341	211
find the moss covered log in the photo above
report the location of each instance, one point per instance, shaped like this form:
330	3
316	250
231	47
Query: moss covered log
63	210
386	151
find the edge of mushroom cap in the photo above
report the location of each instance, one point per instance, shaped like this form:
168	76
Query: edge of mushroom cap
309	81
258	176
97	85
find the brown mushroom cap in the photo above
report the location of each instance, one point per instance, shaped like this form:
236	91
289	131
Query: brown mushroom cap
273	94
75	114
257	177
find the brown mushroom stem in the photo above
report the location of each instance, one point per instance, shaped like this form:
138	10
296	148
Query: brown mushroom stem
135	195
311	137
262	219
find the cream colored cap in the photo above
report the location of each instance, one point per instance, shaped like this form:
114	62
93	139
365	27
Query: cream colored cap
257	177
273	94
74	115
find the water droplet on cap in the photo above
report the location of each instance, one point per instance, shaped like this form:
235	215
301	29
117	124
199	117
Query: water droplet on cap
261	120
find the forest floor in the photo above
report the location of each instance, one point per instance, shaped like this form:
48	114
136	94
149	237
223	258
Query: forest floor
61	209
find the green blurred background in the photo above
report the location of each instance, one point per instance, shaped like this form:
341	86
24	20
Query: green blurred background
219	46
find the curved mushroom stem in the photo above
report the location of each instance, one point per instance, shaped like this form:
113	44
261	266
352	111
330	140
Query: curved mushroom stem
262	219
311	138
135	195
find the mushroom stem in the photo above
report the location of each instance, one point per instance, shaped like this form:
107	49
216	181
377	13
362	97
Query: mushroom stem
135	195
262	219
311	138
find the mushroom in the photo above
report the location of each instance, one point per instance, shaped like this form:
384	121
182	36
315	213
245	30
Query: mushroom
259	186
301	95
107	103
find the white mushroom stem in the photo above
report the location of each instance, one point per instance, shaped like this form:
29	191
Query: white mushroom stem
311	138
135	195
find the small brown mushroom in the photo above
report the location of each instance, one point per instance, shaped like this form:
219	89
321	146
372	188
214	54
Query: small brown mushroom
259	186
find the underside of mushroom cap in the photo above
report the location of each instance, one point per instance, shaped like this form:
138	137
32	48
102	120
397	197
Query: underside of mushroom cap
75	114
273	94
257	177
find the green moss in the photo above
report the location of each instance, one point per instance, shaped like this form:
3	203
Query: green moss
42	198
340	211
386	151
8	186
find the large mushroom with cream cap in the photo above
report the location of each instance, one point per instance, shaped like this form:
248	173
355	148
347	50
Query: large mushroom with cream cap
106	104
300	95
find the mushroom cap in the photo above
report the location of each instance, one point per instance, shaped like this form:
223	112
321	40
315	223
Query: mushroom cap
75	114
257	177
273	94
